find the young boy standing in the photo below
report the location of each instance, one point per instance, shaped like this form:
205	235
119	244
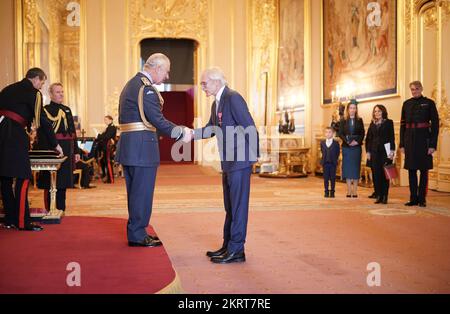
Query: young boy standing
330	155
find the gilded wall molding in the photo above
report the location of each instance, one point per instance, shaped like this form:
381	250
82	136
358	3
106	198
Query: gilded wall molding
408	20
169	19
262	56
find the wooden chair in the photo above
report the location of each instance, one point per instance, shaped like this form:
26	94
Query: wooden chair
78	172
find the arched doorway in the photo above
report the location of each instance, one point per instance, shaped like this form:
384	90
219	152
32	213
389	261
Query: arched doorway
178	91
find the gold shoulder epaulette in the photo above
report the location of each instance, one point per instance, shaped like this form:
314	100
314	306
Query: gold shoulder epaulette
146	81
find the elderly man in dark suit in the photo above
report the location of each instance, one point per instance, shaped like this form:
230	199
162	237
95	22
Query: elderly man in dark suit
140	117
235	130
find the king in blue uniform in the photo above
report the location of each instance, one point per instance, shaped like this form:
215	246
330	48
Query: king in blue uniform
140	118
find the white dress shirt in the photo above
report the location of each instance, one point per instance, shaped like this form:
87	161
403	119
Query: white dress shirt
328	142
218	96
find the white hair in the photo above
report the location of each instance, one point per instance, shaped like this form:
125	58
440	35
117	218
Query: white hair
156	60
215	74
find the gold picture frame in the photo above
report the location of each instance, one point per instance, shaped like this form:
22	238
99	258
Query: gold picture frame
360	50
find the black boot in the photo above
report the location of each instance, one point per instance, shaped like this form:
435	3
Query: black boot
327	193
384	199
332	194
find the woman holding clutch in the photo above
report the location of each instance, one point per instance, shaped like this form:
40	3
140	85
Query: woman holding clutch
351	131
380	148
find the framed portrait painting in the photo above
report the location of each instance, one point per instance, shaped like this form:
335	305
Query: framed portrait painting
359	49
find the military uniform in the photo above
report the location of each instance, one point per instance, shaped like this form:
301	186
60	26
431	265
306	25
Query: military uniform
140	116
64	129
104	146
419	128
20	103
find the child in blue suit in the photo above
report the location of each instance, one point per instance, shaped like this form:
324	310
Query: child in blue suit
330	155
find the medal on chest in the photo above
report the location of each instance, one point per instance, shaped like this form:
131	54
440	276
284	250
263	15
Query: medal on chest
219	115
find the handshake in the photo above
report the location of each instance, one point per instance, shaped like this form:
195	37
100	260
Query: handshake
188	135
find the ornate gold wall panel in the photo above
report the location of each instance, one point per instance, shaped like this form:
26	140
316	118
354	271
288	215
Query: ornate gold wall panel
62	60
168	19
429	18
262	57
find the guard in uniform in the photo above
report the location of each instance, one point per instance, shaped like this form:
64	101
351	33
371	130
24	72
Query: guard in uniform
140	117
419	129
105	143
20	104
64	129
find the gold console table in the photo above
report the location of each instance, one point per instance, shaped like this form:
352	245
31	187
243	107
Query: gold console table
52	165
288	154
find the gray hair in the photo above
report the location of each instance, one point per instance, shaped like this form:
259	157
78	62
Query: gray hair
216	74
417	84
156	60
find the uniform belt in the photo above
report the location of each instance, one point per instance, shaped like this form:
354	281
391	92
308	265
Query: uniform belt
60	136
422	125
14	116
135	127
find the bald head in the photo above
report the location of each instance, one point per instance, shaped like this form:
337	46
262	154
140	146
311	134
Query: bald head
158	66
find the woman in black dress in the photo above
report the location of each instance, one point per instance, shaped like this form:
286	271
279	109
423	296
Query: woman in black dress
380	148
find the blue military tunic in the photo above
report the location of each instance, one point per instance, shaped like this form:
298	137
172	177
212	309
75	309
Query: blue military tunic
138	151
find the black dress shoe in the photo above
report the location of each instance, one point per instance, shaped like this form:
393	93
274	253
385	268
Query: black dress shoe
373	195
9	226
412	203
147	242
422	204
379	200
355	196
153	237
217	253
229	258
31	227
327	194
332	194
384	200
348	195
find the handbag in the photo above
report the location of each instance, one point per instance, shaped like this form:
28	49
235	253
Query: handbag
390	171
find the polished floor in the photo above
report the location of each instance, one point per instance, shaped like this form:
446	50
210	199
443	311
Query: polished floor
298	242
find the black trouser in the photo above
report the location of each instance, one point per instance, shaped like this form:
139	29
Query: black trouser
15	204
60	199
381	184
423	186
329	176
107	165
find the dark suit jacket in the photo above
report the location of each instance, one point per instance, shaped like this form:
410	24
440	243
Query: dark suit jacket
334	152
235	131
377	137
20	98
344	130
141	148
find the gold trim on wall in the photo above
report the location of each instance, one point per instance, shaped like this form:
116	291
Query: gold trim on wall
262	55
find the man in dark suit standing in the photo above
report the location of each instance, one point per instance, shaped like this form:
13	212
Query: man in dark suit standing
237	137
140	117
104	146
20	104
419	129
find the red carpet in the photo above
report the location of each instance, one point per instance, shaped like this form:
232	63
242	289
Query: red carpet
35	262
